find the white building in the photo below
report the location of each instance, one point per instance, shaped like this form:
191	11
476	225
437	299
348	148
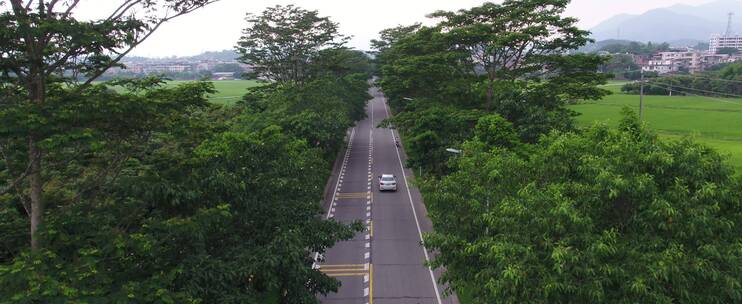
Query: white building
723	41
660	66
162	68
690	61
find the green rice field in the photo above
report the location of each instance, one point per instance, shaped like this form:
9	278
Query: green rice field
228	91
716	122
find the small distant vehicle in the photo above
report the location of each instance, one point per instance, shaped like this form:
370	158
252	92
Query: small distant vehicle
387	182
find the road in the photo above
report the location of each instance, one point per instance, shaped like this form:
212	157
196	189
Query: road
384	264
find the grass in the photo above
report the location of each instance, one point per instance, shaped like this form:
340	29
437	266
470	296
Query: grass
228	91
716	122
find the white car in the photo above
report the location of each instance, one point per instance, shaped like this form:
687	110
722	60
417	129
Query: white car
387	182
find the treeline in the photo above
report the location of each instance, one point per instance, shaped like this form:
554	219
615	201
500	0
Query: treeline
152	195
637	48
531	208
725	81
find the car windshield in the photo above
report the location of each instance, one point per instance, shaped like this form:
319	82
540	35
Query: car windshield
387	179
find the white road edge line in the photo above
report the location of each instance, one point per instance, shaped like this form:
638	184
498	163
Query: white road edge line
414	213
329	209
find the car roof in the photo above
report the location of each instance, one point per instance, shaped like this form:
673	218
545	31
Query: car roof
387	175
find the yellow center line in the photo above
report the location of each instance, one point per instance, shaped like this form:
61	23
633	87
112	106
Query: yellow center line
371	228
351	196
343	270
342	265
346	274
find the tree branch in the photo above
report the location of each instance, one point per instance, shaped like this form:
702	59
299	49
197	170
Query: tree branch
131	47
70	8
19	7
50	6
121	10
14	184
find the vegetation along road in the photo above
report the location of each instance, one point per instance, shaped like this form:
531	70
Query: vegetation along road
146	190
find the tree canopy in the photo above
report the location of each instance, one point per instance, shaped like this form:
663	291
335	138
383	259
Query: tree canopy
141	191
637	48
535	209
508	58
43	45
512	39
611	215
283	40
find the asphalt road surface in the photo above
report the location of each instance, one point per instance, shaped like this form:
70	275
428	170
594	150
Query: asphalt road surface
385	263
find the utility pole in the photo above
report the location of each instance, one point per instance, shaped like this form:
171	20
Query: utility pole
670	84
641	96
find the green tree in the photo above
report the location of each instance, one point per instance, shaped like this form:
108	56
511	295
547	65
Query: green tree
611	215
319	111
619	64
228	67
432	129
732	71
420	64
41	41
510	40
283	40
389	37
339	62
496	131
636	48
444	70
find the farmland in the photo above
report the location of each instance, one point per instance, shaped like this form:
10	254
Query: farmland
716	122
228	91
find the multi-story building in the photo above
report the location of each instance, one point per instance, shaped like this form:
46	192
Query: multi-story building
172	68
719	41
690	61
660	66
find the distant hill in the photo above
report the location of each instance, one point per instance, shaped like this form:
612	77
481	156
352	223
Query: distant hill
675	23
225	55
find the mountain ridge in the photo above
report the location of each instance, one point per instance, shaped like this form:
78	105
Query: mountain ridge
673	23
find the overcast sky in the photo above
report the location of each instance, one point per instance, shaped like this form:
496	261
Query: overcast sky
218	26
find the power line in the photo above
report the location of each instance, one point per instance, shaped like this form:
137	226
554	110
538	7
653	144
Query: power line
711	78
687	75
702	96
699	90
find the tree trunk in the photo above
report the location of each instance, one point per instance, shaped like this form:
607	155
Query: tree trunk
37	94
37	206
490	93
